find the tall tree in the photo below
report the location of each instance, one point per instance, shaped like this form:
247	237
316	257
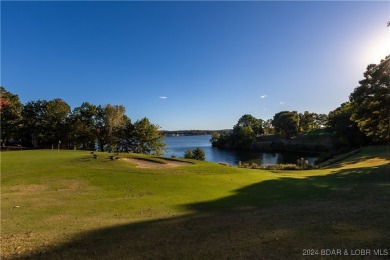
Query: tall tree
345	132
55	115
243	137
34	123
306	121
82	121
250	121
44	122
11	115
125	134
147	138
114	120
100	128
286	123
267	127
320	120
371	102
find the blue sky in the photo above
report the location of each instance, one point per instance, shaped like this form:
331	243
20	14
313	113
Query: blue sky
192	65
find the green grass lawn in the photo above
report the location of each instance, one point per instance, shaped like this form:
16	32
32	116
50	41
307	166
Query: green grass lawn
68	205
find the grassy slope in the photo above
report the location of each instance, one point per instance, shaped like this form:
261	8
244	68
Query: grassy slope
69	205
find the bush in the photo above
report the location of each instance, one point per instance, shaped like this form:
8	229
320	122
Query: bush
197	154
275	166
188	154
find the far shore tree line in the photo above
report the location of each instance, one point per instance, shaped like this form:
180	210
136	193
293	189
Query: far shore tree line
364	119
52	124
285	125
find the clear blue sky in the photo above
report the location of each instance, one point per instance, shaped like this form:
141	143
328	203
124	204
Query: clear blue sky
192	65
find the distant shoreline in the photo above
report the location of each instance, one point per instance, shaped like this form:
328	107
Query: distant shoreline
193	132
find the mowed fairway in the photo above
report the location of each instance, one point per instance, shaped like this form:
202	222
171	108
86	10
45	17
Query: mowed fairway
68	205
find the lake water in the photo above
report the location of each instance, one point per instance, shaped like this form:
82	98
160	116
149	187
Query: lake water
177	145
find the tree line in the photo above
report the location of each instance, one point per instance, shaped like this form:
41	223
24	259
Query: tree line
48	124
190	132
285	124
364	119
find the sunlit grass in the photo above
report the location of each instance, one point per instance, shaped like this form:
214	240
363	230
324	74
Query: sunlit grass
49	197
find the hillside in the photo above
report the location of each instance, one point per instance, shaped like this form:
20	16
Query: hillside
68	205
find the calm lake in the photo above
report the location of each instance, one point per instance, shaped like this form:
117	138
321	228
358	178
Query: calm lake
177	145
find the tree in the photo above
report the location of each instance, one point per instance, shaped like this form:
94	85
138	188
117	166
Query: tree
188	154
345	132
11	115
126	135
100	128
371	102
286	123
221	140
311	121
44	122
243	137
33	123
199	154
56	112
82	122
320	120
147	138
114	119
307	121
108	124
250	121
268	128
214	138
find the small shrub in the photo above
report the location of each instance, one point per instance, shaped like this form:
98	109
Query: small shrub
197	154
188	154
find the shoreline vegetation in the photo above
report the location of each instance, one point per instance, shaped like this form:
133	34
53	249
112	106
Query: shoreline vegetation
193	132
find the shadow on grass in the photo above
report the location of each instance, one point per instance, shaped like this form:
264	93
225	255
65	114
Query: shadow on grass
273	219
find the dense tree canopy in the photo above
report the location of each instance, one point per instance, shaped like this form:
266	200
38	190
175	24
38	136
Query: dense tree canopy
55	113
82	122
248	121
371	102
147	138
11	115
311	121
46	124
345	132
249	129
286	123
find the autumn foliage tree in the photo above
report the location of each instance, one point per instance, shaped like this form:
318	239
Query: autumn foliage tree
11	115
